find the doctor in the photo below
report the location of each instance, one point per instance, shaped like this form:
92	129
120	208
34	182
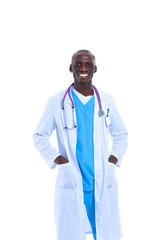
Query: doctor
86	190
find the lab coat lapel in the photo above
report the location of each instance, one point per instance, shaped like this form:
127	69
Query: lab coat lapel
71	138
96	132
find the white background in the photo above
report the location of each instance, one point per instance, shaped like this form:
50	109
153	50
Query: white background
37	40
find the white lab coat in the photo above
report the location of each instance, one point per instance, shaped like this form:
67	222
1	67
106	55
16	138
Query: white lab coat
70	213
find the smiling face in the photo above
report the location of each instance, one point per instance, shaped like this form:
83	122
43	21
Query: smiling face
83	67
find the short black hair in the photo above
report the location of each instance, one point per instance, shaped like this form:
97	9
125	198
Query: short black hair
83	50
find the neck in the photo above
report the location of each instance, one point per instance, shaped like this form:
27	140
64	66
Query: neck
85	88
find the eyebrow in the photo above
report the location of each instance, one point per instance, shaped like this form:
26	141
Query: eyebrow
79	61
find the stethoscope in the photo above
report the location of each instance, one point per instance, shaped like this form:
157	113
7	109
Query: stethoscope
100	112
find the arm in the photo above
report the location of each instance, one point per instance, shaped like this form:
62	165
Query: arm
42	135
119	136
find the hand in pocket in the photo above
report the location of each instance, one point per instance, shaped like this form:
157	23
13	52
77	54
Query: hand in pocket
61	160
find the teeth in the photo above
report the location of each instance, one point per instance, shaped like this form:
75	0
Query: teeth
83	75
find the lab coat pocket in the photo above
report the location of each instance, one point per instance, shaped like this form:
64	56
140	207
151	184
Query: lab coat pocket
65	177
110	177
69	116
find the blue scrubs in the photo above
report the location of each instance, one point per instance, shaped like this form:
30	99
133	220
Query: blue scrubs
85	153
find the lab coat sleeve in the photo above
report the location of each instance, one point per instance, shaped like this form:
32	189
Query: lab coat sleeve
42	136
118	134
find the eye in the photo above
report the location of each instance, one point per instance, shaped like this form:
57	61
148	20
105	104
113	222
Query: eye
78	64
89	65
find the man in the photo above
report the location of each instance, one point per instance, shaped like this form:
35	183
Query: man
86	194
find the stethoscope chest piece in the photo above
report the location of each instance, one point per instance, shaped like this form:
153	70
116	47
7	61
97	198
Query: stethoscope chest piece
101	113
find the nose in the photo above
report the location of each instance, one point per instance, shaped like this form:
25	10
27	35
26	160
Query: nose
83	68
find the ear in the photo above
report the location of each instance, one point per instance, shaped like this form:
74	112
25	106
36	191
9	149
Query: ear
70	68
95	69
